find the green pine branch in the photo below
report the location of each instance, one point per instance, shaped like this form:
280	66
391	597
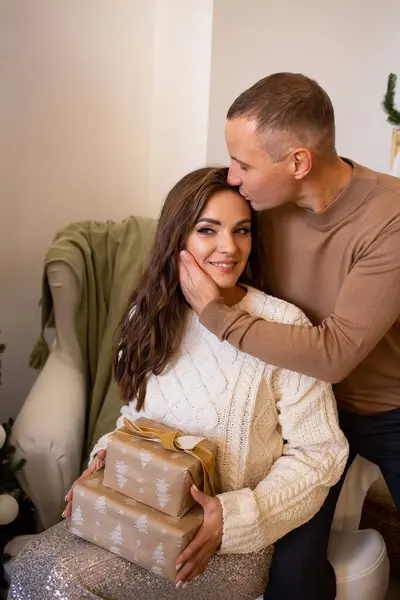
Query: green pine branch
393	115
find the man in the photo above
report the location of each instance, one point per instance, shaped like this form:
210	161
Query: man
332	247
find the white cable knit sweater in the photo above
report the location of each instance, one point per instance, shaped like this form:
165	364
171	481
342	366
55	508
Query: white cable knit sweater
279	444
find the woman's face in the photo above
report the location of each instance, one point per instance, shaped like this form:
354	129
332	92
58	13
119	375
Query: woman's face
221	239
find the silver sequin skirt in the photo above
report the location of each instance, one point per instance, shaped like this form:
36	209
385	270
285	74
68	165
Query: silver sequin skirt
56	564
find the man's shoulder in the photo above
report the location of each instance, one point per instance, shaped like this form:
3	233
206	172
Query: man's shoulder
274	309
384	186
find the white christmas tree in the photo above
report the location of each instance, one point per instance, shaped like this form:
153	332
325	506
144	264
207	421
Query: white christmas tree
116	535
114	549
158	555
145	457
156	570
121	468
101	505
77	516
141	523
92	483
163	497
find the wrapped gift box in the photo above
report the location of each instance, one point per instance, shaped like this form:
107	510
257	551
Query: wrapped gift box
130	529
145	470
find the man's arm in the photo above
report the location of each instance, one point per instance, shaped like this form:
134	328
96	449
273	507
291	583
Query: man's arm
367	306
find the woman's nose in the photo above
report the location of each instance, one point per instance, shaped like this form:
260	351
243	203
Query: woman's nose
227	245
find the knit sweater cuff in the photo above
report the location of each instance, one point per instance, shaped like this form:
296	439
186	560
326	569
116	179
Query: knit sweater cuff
240	527
101	445
214	316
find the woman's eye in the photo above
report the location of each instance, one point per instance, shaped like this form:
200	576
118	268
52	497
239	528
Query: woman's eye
205	230
243	231
244	168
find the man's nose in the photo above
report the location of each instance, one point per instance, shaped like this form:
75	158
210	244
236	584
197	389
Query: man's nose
233	177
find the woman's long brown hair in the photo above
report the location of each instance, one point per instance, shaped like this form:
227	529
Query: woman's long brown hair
154	323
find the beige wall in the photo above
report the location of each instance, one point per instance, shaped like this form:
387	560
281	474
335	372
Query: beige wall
87	131
349	47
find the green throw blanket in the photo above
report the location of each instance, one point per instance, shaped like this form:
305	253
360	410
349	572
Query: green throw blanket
107	259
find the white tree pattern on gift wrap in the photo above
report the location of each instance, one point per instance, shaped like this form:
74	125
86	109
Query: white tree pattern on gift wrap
101	505
114	550
75	532
121	468
145	457
158	555
116	535
141	523
93	483
156	570
77	516
163	497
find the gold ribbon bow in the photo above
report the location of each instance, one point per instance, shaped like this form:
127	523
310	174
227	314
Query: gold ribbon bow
170	441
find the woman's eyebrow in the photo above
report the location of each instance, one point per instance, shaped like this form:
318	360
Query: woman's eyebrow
216	222
206	220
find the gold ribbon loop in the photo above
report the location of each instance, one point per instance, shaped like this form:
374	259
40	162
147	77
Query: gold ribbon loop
170	441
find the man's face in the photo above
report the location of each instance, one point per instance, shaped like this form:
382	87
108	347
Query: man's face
262	182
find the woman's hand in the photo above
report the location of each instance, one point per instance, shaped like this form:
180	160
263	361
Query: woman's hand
193	560
97	464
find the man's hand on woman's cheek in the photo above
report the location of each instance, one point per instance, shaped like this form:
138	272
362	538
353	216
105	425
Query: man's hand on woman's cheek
197	287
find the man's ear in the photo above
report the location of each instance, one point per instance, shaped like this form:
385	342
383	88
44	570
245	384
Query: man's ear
301	163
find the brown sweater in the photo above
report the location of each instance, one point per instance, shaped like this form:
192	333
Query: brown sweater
342	268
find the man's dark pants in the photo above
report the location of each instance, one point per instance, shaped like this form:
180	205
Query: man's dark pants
300	568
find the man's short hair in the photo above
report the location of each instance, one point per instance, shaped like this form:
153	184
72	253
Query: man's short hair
289	108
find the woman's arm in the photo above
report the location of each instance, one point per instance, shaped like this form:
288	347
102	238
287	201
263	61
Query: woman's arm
313	459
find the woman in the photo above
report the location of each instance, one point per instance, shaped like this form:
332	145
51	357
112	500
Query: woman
279	444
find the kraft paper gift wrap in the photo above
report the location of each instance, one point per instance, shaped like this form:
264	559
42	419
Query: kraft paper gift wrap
139	465
130	529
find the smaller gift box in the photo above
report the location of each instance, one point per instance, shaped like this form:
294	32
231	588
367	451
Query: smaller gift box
130	529
157	465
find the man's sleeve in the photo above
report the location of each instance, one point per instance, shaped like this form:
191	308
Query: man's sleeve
367	306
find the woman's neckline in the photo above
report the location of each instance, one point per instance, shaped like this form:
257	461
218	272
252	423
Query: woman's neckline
244	289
